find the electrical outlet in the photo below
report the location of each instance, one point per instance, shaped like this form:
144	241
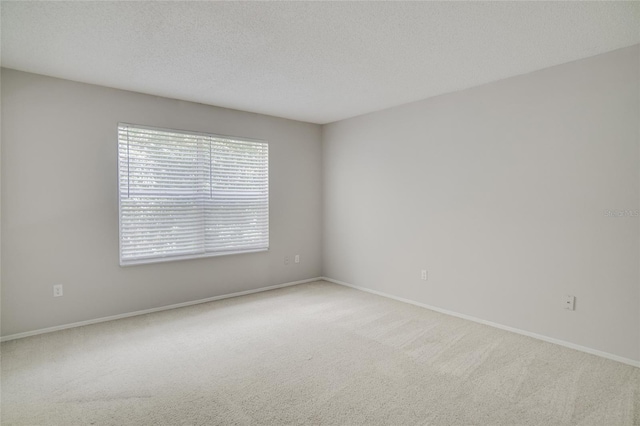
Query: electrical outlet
57	290
286	260
570	302
297	258
423	275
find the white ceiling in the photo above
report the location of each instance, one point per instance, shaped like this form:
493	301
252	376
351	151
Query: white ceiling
317	62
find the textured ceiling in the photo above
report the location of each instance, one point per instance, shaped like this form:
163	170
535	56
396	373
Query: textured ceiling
317	62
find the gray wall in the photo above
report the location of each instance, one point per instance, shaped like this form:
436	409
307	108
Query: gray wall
500	192
60	208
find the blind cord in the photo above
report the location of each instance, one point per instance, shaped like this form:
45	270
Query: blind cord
128	174
210	172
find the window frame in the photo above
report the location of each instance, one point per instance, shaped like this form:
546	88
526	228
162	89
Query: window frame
162	259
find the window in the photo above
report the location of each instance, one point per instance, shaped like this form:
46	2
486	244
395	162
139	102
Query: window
186	194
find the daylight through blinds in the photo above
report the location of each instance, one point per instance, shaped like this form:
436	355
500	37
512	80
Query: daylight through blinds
186	194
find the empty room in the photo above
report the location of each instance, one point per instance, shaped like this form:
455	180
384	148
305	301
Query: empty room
319	213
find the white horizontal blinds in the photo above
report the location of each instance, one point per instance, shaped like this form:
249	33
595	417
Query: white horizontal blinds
163	181
238	210
172	204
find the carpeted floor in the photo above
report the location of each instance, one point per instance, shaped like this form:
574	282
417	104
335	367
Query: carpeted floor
315	353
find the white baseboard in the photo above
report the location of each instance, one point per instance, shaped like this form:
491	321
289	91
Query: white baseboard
148	311
495	325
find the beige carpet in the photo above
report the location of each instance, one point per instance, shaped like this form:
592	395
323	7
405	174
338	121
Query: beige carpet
315	353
